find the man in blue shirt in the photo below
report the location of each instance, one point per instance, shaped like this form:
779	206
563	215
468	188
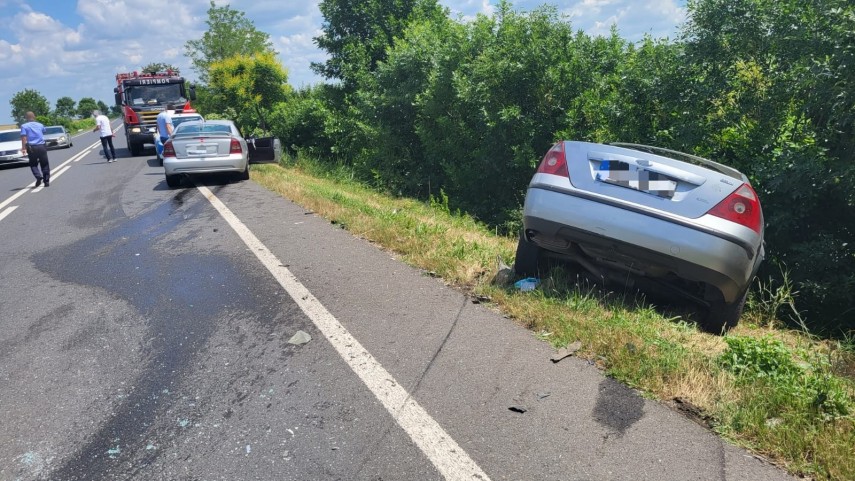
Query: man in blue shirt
33	144
164	122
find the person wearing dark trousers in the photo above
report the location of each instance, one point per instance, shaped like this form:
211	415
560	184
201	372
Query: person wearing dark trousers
102	126
33	144
164	122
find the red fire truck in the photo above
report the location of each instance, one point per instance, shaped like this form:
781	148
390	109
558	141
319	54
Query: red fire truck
142	96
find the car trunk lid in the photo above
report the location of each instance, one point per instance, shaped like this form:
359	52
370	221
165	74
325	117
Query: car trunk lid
649	180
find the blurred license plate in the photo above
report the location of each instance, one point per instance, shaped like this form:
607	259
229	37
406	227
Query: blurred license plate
201	149
634	177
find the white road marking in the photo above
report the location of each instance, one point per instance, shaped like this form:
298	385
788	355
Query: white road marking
445	454
53	176
7	211
21	192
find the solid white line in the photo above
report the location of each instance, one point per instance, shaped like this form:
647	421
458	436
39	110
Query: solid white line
53	176
15	196
7	212
74	158
445	454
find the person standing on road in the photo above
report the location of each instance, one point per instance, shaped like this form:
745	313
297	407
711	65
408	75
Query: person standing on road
33	144
164	122
102	125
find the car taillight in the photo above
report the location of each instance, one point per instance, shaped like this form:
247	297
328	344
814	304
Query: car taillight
554	162
235	147
742	207
168	149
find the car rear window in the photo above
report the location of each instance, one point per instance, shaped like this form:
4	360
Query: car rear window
202	128
176	121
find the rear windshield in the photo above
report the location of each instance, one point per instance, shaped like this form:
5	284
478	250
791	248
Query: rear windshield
201	128
176	121
53	130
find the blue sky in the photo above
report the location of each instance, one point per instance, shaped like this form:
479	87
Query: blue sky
75	47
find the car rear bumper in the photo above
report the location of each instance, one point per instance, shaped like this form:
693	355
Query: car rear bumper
566	224
173	165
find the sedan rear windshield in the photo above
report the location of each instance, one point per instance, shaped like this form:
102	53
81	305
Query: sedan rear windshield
195	128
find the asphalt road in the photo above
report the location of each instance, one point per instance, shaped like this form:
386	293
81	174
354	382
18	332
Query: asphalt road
144	336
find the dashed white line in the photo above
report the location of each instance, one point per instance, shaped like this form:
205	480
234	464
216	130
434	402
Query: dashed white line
447	456
8	211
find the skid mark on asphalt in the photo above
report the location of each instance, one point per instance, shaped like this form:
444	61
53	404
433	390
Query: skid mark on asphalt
130	262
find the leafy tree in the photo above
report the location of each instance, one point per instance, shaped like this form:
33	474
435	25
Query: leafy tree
156	67
229	34
301	122
356	35
115	111
771	91
249	84
86	106
28	100
65	107
103	107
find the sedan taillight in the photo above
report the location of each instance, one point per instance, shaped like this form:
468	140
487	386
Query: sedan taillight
742	207
235	147
554	162
168	149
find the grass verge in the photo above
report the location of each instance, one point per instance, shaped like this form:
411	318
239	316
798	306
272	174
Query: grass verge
783	394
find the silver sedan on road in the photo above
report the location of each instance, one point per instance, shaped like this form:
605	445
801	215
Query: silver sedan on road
205	147
646	216
57	137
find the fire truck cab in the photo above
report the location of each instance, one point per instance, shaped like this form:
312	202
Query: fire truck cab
141	96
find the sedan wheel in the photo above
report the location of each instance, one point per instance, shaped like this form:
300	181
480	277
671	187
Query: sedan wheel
173	181
245	174
723	316
528	256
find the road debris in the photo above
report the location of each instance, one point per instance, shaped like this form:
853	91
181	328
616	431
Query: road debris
566	351
527	284
299	338
518	409
504	273
479	298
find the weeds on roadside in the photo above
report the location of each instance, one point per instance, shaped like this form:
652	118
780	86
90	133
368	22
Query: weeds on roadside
768	301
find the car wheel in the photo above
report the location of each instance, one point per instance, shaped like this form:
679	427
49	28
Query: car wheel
528	256
245	174
723	316
173	181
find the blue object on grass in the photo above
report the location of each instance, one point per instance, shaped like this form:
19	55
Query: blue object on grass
527	284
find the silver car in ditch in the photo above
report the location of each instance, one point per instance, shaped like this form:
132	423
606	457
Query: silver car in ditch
205	147
649	217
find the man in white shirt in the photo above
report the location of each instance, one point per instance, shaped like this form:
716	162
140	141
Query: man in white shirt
102	125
